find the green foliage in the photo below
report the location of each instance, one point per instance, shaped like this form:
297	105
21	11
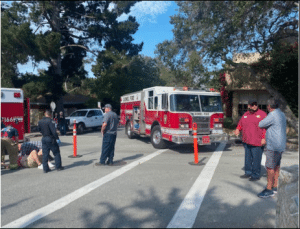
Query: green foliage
280	68
118	74
228	123
184	71
64	32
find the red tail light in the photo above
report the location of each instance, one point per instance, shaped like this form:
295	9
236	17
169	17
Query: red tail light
17	95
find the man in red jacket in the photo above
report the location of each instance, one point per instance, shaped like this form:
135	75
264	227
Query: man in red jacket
253	140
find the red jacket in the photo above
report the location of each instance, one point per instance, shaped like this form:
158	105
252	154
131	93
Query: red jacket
248	124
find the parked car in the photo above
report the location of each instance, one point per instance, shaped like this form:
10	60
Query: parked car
85	118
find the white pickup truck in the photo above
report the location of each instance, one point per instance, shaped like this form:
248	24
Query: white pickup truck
85	118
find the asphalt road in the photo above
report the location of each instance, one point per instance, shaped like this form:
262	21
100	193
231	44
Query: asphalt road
150	189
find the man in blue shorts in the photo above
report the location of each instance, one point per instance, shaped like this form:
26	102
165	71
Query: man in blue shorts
275	124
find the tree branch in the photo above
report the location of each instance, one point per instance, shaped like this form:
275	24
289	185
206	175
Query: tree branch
81	46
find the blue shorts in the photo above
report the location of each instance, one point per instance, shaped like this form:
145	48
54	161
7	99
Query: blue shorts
273	158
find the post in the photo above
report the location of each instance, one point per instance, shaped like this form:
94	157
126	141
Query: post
74	140
75	155
195	142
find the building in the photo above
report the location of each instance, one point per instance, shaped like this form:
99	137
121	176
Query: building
243	89
71	103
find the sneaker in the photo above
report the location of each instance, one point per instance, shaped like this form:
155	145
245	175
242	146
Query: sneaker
40	166
51	166
274	189
266	193
245	176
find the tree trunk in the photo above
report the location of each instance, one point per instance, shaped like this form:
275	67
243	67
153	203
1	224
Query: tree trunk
57	61
290	117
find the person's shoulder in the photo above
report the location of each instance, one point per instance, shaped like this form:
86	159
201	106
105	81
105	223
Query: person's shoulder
261	112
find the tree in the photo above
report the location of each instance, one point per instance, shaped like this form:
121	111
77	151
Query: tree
219	29
184	70
118	74
65	31
16	42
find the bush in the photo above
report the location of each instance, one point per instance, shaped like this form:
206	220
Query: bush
228	123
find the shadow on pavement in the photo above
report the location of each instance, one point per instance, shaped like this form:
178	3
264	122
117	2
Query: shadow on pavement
80	163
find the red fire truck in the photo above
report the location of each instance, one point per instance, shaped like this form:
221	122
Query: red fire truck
168	113
15	110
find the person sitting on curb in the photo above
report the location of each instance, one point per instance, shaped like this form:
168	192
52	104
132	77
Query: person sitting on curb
31	155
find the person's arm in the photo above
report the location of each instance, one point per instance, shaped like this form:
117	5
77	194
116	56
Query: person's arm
104	124
266	122
53	130
239	127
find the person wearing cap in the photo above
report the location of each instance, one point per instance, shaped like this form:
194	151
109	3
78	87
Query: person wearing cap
275	124
253	139
109	131
9	141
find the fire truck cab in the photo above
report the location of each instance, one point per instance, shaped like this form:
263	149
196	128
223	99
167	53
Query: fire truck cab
168	113
14	111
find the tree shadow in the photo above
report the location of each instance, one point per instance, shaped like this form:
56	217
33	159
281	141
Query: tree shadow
153	207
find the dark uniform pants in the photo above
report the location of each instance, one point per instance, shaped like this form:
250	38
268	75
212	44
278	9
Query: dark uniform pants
12	149
108	148
48	144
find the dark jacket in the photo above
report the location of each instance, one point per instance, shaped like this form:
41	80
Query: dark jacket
47	128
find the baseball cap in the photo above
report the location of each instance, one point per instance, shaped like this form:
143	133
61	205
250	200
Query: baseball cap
108	106
252	102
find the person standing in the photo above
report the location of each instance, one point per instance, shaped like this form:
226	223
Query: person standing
275	124
50	141
109	131
61	123
253	140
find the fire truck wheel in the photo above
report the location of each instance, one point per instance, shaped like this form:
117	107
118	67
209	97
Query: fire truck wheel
156	138
128	131
80	128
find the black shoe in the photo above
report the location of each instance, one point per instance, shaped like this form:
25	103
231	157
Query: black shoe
253	179
109	163
245	176
60	168
47	171
99	164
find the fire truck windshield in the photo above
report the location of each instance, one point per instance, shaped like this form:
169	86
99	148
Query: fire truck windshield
211	103
181	102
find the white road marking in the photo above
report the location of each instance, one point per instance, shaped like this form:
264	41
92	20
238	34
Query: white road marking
62	202
187	212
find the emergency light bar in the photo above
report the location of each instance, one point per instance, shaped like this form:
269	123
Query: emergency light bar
17	95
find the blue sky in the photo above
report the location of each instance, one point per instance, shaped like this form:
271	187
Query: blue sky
155	27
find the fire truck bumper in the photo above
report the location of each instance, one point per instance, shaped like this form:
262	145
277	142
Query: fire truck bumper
213	138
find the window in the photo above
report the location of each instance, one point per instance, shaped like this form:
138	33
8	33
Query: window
155	102
181	102
91	113
78	113
211	103
164	104
98	112
150	100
